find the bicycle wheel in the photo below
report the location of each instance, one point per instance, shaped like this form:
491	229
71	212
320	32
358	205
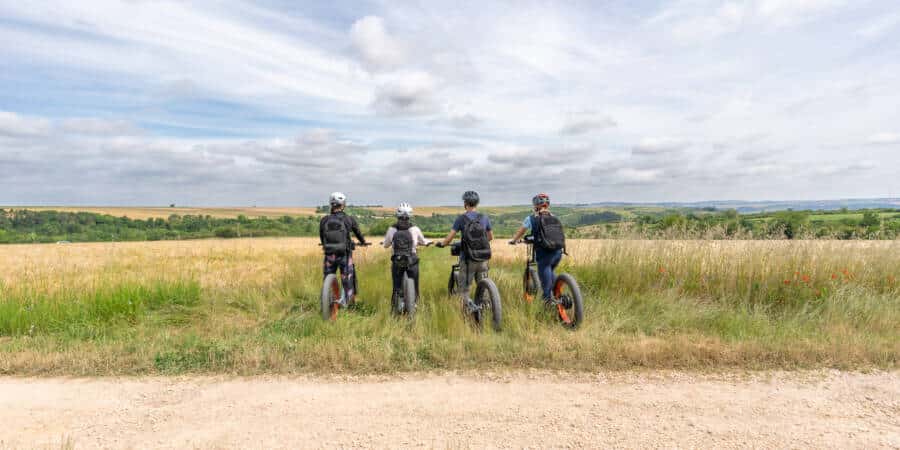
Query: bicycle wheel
409	297
331	294
352	300
487	296
396	301
571	307
530	283
452	287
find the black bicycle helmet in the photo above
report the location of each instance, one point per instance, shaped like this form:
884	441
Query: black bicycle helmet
470	198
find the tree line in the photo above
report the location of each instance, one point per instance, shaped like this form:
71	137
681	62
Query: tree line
28	226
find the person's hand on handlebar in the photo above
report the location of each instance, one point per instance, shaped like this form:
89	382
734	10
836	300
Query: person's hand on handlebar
364	244
513	242
439	244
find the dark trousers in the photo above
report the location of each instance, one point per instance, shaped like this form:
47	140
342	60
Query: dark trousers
547	260
411	270
344	263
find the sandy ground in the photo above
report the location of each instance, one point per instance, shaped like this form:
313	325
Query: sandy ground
532	409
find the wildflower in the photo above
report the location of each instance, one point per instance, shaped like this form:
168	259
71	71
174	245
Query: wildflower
787	282
834	276
662	270
806	279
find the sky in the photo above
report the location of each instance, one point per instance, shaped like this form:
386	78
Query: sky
278	102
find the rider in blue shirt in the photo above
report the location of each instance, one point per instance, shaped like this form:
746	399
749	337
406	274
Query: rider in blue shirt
547	260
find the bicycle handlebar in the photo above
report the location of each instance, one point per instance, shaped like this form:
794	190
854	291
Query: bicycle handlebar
529	240
358	244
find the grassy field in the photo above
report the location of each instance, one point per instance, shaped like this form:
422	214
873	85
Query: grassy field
251	306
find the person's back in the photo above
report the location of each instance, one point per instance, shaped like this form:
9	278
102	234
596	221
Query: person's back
334	233
476	232
549	240
473	228
335	236
402	238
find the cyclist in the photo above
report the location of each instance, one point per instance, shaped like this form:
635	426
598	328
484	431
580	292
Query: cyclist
476	232
403	236
549	241
334	235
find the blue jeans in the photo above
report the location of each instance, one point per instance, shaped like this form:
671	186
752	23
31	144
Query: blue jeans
547	260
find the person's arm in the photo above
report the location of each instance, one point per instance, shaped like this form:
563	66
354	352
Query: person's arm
355	228
526	225
447	240
389	237
490	235
420	237
521	232
489	228
322	231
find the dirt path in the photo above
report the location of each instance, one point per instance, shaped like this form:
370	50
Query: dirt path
822	409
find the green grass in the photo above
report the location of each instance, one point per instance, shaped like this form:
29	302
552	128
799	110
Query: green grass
637	316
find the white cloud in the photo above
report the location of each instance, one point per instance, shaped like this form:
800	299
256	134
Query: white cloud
789	12
406	94
660	145
587	123
98	126
379	50
884	138
879	26
486	88
698	21
15	125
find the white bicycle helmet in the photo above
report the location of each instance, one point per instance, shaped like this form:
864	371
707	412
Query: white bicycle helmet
404	210
337	199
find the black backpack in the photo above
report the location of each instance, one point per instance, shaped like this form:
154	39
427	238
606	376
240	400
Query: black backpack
475	239
336	235
549	232
403	243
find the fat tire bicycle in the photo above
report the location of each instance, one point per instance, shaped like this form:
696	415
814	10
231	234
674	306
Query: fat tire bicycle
333	297
486	305
566	294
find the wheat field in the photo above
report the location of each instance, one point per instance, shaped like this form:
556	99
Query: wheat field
251	306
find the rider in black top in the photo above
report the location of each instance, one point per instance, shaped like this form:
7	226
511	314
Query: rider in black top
340	259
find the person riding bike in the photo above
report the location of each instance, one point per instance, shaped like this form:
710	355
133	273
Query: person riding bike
476	236
403	237
549	241
334	235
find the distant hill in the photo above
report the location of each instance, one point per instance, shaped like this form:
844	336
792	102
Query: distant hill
766	205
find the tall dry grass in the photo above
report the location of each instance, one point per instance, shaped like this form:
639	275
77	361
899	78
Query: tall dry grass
250	306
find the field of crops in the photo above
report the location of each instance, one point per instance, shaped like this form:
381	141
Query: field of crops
251	306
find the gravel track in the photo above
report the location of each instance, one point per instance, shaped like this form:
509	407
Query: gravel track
523	409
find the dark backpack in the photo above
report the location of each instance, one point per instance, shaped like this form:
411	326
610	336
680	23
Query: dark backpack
336	235
403	243
549	232
475	241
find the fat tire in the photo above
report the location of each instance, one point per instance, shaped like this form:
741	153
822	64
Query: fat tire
409	297
452	286
486	286
327	295
531	284
577	302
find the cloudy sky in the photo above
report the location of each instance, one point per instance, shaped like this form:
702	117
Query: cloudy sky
276	102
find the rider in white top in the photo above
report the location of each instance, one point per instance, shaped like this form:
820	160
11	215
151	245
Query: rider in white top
408	263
